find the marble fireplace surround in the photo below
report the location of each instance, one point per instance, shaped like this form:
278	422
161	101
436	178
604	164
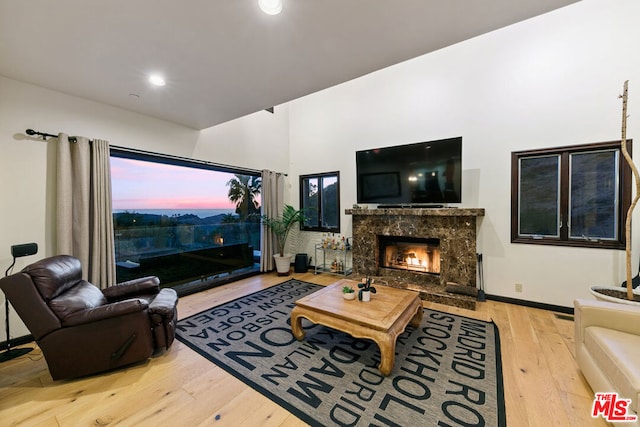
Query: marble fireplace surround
454	227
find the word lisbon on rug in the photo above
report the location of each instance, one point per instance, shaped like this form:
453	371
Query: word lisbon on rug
447	372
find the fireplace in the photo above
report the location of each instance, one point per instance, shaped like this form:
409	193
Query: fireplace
447	235
419	255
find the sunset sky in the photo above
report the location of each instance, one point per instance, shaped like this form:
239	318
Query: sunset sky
146	185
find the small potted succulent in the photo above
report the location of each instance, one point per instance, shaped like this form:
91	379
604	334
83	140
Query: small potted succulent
364	294
348	293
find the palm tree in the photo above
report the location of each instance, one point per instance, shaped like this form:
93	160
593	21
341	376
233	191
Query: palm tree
243	190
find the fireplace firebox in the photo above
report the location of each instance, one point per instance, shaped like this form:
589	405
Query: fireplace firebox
420	255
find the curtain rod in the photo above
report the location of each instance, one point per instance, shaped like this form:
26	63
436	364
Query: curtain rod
185	161
42	134
152	154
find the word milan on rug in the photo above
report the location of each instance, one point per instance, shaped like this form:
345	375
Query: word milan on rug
447	372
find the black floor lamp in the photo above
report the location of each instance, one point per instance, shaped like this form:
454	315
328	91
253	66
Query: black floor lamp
17	251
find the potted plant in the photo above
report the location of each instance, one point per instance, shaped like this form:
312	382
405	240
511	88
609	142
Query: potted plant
348	293
281	226
617	294
364	294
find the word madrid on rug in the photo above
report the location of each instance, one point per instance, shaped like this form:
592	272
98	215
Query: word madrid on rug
447	372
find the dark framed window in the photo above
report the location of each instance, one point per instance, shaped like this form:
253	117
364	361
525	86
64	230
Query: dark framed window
320	198
571	196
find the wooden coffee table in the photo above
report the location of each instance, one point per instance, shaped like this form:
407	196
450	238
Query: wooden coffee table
382	319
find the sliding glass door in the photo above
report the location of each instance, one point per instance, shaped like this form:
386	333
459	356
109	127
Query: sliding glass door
188	223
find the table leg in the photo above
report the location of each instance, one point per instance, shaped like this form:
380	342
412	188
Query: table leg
387	347
296	324
417	318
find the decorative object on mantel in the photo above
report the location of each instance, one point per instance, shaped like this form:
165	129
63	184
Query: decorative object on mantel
364	294
281	226
348	293
611	293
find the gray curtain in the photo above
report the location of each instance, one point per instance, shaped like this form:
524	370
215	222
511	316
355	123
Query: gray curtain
272	203
84	222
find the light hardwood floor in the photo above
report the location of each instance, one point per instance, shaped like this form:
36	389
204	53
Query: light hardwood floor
543	385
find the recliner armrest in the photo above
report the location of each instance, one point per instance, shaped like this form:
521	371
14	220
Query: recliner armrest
164	303
142	286
107	311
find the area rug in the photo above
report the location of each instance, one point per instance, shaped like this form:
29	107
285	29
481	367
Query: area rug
447	372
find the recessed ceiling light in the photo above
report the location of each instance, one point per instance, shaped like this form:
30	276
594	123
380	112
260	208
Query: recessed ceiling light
270	7
157	80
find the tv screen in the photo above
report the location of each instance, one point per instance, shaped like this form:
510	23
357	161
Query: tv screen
417	174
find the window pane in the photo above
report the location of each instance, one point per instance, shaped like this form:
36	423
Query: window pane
594	195
310	201
539	196
182	224
574	196
330	202
320	196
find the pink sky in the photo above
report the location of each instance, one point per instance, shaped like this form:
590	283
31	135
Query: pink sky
146	185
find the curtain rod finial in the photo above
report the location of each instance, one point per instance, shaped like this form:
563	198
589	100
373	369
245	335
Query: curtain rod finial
32	132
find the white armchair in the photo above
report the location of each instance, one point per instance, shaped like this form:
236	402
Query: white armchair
607	338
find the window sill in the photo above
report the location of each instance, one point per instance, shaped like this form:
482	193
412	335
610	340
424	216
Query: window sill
570	243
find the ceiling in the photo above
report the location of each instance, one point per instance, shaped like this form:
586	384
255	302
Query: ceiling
224	59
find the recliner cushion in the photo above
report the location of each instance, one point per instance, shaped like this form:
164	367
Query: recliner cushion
82	296
52	276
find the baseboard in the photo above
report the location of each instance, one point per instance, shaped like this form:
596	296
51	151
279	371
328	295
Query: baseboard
532	304
17	341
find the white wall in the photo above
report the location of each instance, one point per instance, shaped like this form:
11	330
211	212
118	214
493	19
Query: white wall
549	81
27	164
257	141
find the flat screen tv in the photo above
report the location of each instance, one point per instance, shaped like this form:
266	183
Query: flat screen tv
424	173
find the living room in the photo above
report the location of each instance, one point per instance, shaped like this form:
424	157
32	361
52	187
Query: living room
549	81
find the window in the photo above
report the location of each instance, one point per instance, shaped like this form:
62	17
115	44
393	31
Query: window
571	196
190	223
320	198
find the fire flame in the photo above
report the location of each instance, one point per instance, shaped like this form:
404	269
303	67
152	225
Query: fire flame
414	261
417	258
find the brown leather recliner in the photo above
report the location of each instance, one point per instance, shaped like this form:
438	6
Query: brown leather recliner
83	330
